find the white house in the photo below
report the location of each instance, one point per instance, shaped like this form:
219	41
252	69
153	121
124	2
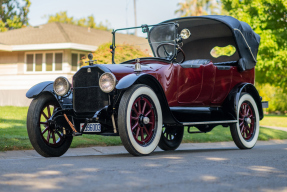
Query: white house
35	54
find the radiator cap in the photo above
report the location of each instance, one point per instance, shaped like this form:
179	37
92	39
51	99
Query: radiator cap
137	66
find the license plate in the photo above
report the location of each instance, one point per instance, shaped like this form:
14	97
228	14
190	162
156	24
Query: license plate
91	127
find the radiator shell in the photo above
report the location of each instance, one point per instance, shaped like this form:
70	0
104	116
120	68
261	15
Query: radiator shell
87	95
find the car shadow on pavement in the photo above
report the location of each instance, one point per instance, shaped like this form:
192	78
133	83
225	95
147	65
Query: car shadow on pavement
218	169
154	154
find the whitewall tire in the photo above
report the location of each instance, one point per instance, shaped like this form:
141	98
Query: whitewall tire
245	132
140	120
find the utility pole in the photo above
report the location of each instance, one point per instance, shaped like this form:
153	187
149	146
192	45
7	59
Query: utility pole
135	11
127	15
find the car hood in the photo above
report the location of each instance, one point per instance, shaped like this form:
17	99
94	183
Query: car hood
121	70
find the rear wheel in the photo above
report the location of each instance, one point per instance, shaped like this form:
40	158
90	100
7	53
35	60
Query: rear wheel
171	138
47	139
140	120
245	132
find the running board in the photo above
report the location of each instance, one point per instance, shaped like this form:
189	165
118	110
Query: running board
208	122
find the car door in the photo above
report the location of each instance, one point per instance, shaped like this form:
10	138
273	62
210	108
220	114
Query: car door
190	81
222	85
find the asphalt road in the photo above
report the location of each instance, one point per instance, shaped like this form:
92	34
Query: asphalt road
194	167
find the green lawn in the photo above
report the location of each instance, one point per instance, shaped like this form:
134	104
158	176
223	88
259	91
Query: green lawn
13	134
274	120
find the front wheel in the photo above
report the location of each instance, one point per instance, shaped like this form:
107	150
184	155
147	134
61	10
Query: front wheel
47	139
245	132
140	120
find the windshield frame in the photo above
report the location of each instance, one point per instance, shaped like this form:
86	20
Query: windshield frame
113	46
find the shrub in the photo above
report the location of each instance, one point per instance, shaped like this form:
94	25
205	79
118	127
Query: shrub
123	52
275	96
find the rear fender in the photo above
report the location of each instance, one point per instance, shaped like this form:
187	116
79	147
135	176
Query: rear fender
231	102
151	81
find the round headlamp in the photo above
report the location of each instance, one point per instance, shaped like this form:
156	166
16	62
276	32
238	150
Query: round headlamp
107	82
185	33
61	86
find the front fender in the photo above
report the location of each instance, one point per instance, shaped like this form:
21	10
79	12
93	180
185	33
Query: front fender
47	87
39	88
128	80
152	82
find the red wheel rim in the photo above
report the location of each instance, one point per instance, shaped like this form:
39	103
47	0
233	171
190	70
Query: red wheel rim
143	132
49	134
246	121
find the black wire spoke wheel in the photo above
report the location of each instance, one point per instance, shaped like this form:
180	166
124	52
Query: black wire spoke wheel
49	133
46	138
171	138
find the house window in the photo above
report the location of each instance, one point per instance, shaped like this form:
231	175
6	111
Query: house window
58	61
49	61
30	61
44	62
77	60
39	62
74	61
82	56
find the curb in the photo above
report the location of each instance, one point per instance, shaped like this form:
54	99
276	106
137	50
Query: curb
120	150
277	128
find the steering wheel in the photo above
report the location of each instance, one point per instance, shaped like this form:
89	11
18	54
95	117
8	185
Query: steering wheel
179	50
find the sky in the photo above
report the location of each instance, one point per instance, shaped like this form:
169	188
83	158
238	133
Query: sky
119	13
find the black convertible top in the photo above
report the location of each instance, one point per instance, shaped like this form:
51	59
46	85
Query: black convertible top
217	30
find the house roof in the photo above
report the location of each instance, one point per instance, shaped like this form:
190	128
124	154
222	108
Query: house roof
60	33
4	47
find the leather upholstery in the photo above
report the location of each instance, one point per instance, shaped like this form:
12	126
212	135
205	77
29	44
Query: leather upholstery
195	63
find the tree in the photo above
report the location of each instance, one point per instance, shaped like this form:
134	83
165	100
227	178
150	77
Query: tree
124	52
62	17
13	15
198	7
269	19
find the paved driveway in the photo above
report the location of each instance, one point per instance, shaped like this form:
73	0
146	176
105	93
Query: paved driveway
194	167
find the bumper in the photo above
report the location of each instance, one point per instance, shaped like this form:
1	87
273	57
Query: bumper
264	104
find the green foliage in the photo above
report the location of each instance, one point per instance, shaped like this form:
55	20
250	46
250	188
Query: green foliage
276	97
13	15
228	50
123	53
220	134
274	120
13	133
62	17
269	19
198	7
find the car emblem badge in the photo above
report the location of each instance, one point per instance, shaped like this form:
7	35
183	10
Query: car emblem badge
89	70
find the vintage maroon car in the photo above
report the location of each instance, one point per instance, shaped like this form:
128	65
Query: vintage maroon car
201	75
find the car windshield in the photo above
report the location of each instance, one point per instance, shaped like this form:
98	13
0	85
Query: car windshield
150	41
